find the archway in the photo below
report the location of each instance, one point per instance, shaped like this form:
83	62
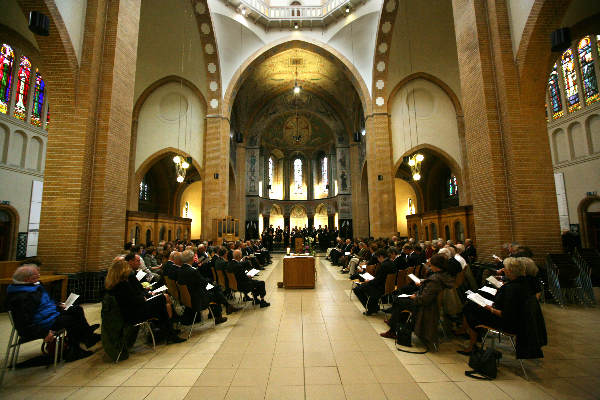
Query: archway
321	218
298	217
276	217
9	227
589	221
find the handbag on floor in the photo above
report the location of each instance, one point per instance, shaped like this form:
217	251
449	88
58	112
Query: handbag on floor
484	363
404	331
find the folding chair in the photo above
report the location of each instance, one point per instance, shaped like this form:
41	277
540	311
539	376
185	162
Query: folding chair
511	337
145	325
14	345
186	300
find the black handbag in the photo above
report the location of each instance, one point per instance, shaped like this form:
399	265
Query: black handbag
484	363
404	331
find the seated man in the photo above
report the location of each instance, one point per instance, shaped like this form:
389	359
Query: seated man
423	304
245	283
362	255
36	315
369	292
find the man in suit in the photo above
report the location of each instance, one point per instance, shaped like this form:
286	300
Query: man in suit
169	268
369	292
244	282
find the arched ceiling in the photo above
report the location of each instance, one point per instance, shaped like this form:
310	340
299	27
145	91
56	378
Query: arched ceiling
266	94
291	131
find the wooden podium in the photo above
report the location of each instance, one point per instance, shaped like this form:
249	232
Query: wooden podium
299	272
298	245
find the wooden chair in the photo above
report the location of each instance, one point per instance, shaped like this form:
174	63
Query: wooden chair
233	286
401	278
172	288
222	280
14	345
186	300
214	274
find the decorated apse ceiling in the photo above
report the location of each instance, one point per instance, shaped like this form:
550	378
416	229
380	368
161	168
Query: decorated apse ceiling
291	131
266	99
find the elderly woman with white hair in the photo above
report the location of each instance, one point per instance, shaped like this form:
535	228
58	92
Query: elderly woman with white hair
505	313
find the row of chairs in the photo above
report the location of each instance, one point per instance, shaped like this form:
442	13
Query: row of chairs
182	294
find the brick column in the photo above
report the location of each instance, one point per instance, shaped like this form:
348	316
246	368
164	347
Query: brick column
85	184
215	192
508	155
382	199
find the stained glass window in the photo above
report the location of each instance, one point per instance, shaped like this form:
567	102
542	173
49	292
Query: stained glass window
144	190
7	56
38	99
570	75
588	75
324	176
298	175
554	91
452	186
22	88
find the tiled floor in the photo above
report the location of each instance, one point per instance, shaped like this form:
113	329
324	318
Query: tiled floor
314	344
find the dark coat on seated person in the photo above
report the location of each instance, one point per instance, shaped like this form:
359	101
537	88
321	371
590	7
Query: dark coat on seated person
196	284
34	312
170	270
131	297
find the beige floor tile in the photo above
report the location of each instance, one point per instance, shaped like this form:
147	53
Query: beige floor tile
52	393
287	360
426	373
205	347
76	377
286	376
285	393
351	358
215	377
289	347
456	372
256	360
373	345
168	393
112	377
319	359
443	391
321	376
370	391
391	374
207	393
482	390
351	375
251	377
146	377
321	392
344	345
129	393
565	389
195	360
245	393
522	390
225	361
164	361
181	377
403	391
381	358
91	393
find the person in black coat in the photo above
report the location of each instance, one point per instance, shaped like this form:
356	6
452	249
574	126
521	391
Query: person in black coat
245	283
135	303
507	312
369	292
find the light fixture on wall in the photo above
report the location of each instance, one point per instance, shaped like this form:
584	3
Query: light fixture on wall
414	162
297	88
181	166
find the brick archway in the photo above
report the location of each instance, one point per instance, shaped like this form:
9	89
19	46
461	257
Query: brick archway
581	211
14	229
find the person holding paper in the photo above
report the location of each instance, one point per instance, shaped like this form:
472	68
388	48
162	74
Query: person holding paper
505	313
135	303
423	304
36	315
245	283
369	292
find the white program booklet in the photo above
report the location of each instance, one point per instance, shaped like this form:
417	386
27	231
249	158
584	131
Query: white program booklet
140	275
161	289
414	278
346	253
404	295
489	290
209	286
252	272
479	299
367	276
71	300
494	281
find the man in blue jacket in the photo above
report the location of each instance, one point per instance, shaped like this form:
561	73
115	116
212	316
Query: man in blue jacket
36	315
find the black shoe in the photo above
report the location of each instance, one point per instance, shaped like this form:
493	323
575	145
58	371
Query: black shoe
92	340
220	320
264	304
247	298
464	352
173	338
77	353
387	310
230	309
94	327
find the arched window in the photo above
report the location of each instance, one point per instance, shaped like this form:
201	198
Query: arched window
270	174
570	75
38	99
7	56
144	190
452	186
554	91
324	175
588	75
298	176
22	88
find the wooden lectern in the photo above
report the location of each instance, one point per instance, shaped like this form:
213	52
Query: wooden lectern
299	272
298	245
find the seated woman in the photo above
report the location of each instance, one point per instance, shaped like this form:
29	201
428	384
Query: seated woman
135	303
423	304
505	312
531	274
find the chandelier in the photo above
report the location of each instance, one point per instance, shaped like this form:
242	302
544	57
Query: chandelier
414	162
181	166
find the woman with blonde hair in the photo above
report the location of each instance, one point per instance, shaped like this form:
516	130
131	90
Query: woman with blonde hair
135	303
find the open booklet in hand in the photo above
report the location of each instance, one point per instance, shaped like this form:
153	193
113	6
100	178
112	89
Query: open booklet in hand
252	272
209	286
71	300
497	284
414	278
367	276
140	275
478	299
489	290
